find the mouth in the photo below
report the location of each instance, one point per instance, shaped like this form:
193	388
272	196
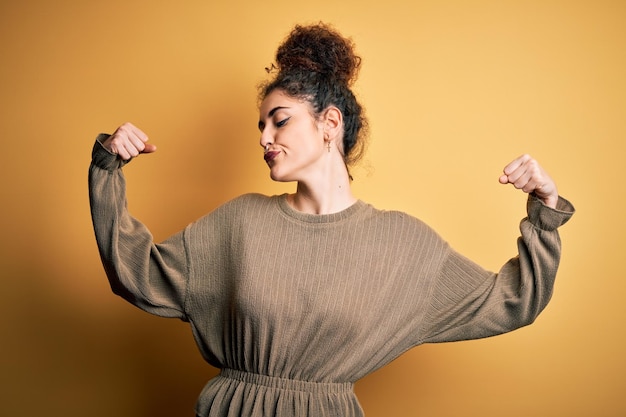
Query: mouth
270	155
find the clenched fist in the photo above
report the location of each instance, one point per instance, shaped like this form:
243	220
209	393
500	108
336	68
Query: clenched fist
127	142
526	174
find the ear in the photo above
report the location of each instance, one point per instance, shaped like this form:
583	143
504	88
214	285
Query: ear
332	122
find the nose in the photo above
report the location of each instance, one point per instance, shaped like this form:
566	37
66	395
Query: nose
266	139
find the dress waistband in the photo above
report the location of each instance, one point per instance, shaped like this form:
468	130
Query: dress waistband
286	383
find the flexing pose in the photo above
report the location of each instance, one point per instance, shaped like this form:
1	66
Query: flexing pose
295	297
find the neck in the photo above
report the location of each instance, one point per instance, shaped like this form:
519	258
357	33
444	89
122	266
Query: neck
329	194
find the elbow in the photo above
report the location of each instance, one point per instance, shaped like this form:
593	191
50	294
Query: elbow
525	311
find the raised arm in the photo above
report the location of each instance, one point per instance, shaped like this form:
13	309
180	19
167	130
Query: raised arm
150	276
470	302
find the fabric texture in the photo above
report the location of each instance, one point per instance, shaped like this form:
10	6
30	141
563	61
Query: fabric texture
294	308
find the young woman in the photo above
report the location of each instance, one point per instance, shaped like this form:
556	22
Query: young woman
295	297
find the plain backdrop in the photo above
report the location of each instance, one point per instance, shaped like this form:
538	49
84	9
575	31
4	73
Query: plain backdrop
454	90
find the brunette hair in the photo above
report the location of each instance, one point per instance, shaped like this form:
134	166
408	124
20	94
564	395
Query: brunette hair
317	64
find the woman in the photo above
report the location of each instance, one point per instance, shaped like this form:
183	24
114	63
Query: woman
295	297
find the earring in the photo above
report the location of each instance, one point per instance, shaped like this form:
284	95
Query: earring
328	146
327	142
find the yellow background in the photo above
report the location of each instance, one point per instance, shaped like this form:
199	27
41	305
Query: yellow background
453	89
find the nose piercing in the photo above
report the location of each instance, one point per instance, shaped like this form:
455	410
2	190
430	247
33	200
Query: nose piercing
267	147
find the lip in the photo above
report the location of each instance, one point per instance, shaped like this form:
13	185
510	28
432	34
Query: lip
270	155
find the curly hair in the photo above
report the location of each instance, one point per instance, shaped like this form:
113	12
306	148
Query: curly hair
316	63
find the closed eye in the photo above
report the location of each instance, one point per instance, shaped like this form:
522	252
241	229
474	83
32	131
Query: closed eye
282	122
261	124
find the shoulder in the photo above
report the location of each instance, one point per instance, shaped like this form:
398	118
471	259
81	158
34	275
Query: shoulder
231	216
240	207
250	202
401	223
395	216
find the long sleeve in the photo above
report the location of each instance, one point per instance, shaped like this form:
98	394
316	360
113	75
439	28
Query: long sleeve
295	307
469	302
151	276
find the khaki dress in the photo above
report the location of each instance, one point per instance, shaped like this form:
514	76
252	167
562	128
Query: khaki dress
294	308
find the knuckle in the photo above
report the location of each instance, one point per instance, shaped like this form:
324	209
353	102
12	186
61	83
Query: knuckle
123	129
117	142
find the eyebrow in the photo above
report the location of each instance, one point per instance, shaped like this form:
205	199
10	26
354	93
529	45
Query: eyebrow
270	114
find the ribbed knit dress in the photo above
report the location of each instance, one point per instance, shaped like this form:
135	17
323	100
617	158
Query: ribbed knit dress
294	308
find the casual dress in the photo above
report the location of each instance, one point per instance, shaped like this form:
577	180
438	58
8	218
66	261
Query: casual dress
294	307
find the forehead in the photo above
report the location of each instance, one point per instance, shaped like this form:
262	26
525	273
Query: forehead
278	98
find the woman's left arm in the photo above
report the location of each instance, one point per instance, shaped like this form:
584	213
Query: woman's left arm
469	302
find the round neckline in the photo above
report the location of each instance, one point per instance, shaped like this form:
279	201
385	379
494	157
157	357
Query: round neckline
318	218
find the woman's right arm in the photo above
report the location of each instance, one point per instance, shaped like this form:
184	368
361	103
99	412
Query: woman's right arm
151	276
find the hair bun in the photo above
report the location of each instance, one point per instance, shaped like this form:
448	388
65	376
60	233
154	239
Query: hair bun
321	49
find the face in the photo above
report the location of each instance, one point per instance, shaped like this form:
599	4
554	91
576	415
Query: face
292	138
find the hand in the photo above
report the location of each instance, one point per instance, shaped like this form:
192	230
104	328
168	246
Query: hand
127	142
526	174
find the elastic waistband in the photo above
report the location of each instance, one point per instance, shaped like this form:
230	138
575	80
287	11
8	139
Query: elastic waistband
288	384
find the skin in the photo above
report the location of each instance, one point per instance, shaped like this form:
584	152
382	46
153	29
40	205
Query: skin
525	174
308	150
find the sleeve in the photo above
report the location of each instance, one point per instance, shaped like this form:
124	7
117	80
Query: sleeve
469	302
150	276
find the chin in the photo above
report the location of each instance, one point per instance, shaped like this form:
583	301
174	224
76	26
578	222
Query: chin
280	179
277	176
